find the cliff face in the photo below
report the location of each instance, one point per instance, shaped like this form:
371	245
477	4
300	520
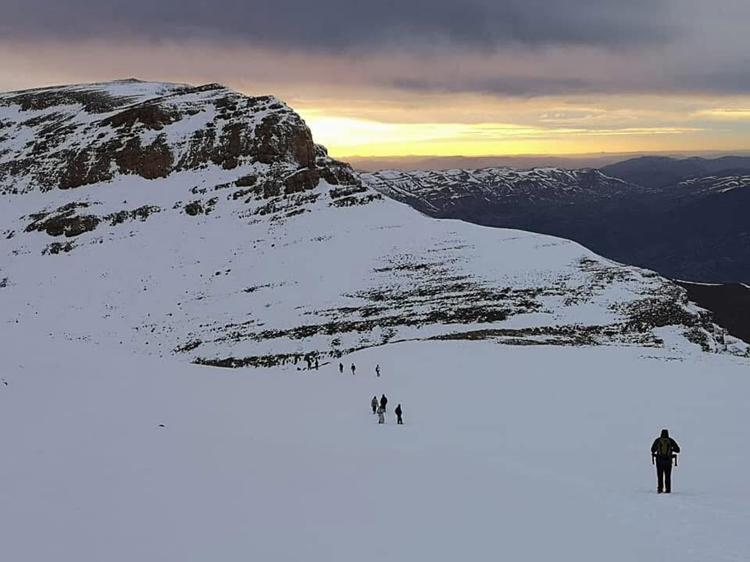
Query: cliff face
77	136
205	224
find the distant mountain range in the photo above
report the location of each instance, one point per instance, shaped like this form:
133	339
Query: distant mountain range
661	171
647	211
598	160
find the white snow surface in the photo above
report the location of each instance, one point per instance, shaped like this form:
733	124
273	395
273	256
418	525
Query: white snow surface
507	453
225	278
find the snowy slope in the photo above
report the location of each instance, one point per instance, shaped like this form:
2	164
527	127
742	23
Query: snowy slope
446	191
713	184
694	229
201	223
508	453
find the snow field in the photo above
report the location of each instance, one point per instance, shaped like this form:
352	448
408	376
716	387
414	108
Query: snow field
521	453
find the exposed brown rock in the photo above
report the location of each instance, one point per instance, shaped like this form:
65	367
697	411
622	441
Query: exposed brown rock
150	162
194	208
85	168
150	116
303	180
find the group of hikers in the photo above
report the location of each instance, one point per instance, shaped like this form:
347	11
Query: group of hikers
354	369
379	407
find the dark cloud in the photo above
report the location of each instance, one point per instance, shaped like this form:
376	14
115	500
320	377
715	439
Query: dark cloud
513	86
351	26
497	47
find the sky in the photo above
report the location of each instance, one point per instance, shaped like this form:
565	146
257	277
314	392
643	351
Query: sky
382	78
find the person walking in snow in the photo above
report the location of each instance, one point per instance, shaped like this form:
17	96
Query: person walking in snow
663	451
341	368
377	370
383	402
354	369
381	415
374	404
399	411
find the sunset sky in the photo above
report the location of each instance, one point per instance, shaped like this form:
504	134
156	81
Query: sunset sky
424	77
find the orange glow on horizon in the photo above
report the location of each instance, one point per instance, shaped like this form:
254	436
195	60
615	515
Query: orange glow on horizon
350	136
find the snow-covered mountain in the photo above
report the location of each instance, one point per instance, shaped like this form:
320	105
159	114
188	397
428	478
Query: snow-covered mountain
694	229
661	171
449	191
202	223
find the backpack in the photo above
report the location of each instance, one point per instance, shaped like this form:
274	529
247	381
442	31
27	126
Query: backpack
664	447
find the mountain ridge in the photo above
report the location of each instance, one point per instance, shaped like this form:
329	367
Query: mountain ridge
663	171
206	225
694	229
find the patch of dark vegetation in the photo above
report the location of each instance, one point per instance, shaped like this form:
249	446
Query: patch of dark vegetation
286	205
352	201
460	315
542	335
347	191
64	221
258	288
700	337
189	346
655	312
413	267
194	208
239	194
598	277
58	248
141	213
260	361
247	181
198	207
4	282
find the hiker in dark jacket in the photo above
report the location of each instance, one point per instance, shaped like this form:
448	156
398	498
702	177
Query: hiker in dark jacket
341	367
354	369
374	404
399	411
663	451
383	402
